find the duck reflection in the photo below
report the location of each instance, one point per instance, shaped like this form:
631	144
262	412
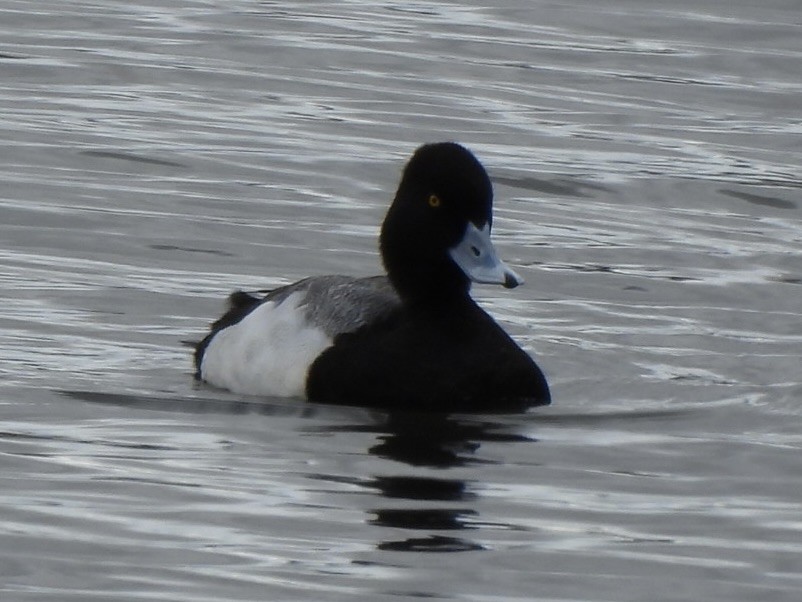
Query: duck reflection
433	504
425	489
435	441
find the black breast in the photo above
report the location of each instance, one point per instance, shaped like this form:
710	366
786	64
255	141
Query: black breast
454	360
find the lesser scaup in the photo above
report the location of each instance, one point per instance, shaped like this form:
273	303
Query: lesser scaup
413	339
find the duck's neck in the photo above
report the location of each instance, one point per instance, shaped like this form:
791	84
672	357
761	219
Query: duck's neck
424	281
435	299
418	263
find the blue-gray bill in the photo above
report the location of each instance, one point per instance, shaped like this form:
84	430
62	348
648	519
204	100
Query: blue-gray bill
477	257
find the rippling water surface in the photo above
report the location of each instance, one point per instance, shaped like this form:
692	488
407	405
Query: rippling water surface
647	160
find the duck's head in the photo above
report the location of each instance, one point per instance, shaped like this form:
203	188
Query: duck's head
435	239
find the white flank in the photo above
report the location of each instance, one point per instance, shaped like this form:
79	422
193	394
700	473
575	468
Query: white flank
268	352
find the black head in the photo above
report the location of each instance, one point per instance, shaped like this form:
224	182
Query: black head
444	202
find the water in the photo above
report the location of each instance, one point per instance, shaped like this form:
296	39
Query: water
647	165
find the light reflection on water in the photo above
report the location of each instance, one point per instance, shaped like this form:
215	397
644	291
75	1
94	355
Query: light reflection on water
646	172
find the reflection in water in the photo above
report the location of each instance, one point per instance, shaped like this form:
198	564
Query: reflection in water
433	543
423	488
435	441
421	441
440	519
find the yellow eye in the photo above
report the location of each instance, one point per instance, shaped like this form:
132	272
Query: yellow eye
434	201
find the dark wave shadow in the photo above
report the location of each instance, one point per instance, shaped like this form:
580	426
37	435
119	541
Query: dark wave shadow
124	156
623	416
198	405
760	200
555	186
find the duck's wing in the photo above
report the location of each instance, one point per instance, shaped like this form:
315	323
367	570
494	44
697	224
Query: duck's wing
335	304
338	304
239	305
331	304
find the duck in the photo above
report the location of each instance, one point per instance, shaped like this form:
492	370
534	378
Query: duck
413	339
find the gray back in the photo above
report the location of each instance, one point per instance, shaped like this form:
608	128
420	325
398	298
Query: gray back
339	304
